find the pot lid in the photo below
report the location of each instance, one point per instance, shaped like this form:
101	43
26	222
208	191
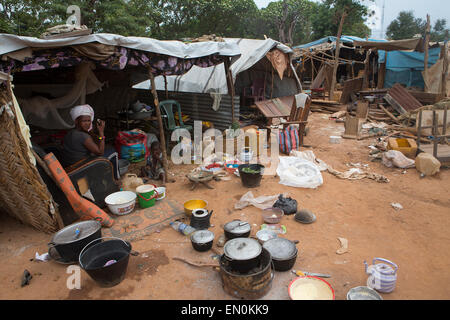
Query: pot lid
199	213
280	248
76	231
242	249
202	236
237	227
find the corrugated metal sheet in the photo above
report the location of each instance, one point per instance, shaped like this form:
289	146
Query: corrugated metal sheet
199	106
401	99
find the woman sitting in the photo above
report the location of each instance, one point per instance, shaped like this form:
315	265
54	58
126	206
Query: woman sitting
79	143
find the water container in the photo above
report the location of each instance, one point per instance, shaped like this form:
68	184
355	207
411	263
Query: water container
182	227
382	276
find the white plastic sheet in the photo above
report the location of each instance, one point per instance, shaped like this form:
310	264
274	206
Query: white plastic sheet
298	172
261	202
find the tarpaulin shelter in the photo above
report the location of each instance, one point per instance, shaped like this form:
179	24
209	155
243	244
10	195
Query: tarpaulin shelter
406	67
208	86
317	57
33	60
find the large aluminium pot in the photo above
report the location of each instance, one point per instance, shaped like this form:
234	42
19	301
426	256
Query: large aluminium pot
242	254
237	229
283	252
69	241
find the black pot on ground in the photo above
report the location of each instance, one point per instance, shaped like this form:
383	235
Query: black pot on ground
69	241
237	229
251	179
283	251
202	240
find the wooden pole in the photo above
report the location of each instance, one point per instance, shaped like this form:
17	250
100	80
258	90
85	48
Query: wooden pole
336	56
230	85
165	86
425	60
160	124
366	69
444	70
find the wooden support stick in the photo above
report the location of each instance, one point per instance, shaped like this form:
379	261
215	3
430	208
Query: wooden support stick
388	113
230	84
160	124
196	264
336	56
425	60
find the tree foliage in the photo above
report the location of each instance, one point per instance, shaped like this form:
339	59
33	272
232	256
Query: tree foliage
405	26
326	20
289	21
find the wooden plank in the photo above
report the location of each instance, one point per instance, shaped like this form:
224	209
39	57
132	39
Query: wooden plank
350	86
75	33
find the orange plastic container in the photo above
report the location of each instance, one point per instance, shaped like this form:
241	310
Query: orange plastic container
405	145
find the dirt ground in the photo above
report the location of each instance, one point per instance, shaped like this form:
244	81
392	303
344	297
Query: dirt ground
416	238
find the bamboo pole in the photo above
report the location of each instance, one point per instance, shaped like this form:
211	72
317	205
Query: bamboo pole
425	60
160	124
336	56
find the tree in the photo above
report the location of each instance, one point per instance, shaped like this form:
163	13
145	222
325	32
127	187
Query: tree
325	20
405	26
282	19
439	30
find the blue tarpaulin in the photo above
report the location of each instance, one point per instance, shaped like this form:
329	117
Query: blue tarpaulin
406	67
330	39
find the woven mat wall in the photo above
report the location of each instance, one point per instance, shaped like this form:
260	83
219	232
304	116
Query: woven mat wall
22	192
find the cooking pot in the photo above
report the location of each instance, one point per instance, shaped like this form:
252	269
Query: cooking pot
242	254
283	252
237	229
69	241
202	240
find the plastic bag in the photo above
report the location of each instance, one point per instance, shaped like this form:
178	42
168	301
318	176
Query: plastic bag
132	145
298	172
288	205
396	158
261	202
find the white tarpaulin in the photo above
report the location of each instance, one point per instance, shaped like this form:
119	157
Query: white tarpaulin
10	43
212	79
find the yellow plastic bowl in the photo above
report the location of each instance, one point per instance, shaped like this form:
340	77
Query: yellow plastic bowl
194	204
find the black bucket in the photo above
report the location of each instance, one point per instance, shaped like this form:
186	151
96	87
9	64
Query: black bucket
94	259
251	180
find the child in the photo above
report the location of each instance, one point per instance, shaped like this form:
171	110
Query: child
154	168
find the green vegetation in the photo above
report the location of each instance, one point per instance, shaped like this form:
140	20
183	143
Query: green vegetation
290	21
406	26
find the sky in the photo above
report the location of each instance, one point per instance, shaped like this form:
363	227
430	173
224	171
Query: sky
437	9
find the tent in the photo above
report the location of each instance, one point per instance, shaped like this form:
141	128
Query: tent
213	79
115	59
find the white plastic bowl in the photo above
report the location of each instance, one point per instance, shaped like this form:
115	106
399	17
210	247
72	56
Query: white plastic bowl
121	202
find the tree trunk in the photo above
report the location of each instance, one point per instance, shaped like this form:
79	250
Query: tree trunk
336	58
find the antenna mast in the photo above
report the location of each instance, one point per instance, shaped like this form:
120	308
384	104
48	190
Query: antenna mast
382	21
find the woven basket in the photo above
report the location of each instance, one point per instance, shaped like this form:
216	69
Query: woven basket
23	194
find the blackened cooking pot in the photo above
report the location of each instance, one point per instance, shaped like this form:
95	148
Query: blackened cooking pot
202	240
69	241
242	254
283	252
237	229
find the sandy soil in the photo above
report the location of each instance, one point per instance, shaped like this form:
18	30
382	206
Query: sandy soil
415	238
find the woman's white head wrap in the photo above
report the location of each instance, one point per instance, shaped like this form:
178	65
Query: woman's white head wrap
82	110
